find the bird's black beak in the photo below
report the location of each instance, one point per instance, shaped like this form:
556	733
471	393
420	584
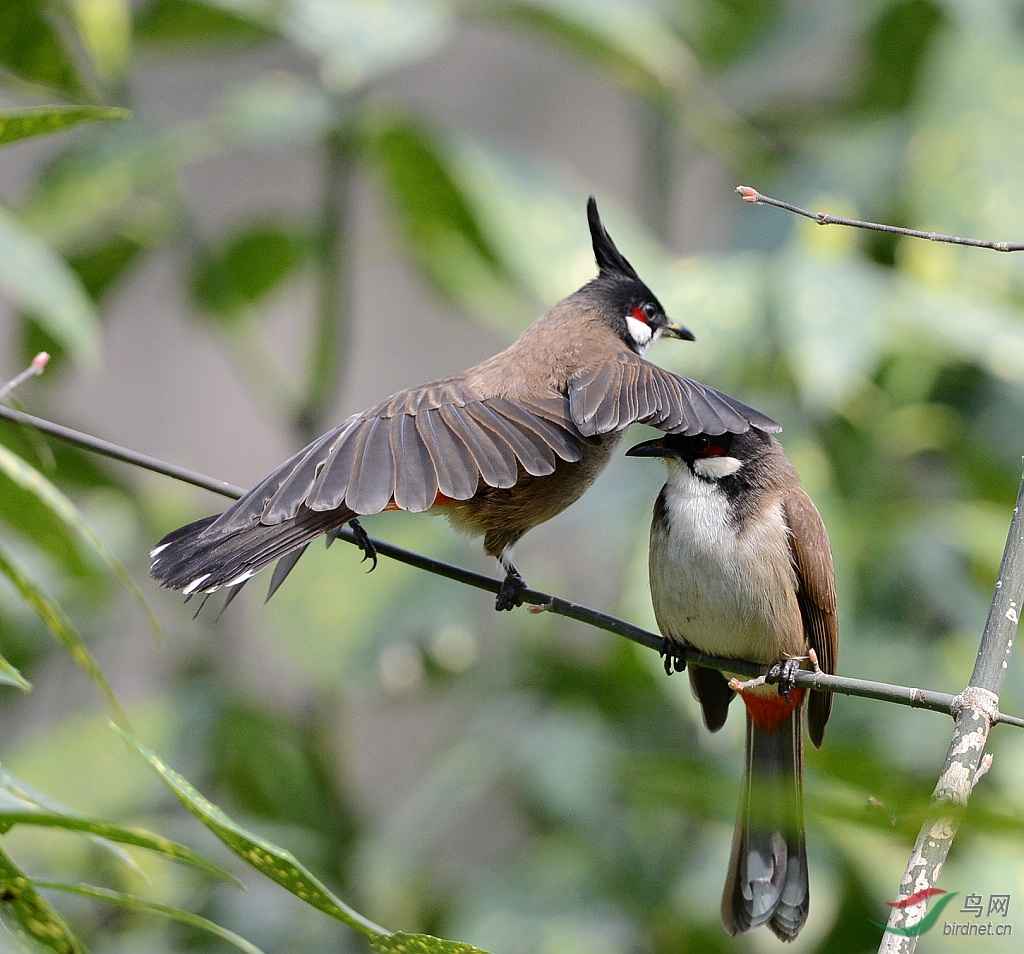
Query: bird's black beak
671	330
655	448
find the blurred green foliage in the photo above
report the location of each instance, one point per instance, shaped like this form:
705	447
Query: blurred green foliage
515	782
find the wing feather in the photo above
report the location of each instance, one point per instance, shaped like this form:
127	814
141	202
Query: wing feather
495	459
371	484
816	595
630	390
457	474
530	449
415	478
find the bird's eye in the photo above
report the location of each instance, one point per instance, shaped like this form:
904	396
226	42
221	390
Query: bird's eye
650	310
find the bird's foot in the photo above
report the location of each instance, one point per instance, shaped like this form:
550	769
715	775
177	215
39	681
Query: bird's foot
364	543
512	588
672	656
784	673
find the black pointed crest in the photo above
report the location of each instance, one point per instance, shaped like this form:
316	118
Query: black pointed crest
610	261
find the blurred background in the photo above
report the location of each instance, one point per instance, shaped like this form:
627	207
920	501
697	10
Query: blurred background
317	202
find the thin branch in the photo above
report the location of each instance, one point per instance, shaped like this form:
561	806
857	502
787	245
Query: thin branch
885	692
39	362
975	710
823	218
332	258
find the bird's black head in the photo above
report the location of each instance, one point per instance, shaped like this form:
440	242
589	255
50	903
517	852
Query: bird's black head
709	457
639	318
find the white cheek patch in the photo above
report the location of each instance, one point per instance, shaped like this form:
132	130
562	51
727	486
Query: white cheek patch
639	331
715	468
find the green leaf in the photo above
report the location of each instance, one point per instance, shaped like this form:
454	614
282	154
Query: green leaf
41	282
897	54
151	907
105	27
278	864
22	905
439	222
228	281
60	626
9	676
116	179
28	478
420	944
31	46
42	120
118	833
193	23
629	39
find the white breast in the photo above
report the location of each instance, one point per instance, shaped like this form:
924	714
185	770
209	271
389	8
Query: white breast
724	593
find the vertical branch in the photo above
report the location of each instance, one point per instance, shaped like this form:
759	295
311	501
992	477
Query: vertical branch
332	262
974	710
655	162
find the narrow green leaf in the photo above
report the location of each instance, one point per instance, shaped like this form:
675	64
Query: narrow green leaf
31	46
39	281
228	281
9	676
28	478
60	626
28	913
630	39
441	226
193	23
105	27
420	944
151	907
43	120
119	833
278	864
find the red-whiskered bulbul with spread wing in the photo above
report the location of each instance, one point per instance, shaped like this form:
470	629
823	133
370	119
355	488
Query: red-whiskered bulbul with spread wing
741	567
498	449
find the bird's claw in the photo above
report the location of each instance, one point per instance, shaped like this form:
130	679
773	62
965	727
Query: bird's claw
784	673
511	593
364	543
672	656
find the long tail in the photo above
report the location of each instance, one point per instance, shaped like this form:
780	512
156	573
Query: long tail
767	880
203	556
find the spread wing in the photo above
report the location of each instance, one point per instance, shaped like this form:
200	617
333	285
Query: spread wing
441	439
630	390
812	557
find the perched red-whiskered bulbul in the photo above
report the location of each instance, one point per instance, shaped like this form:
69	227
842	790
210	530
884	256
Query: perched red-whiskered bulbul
740	567
498	449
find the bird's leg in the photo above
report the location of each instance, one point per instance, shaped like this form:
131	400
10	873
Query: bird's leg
672	656
364	543
511	593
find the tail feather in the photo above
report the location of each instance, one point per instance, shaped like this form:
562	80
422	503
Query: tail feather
767	880
202	556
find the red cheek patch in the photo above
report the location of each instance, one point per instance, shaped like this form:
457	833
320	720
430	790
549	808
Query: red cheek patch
640	315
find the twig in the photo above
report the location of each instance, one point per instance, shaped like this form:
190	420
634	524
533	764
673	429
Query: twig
975	710
885	692
35	368
823	218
